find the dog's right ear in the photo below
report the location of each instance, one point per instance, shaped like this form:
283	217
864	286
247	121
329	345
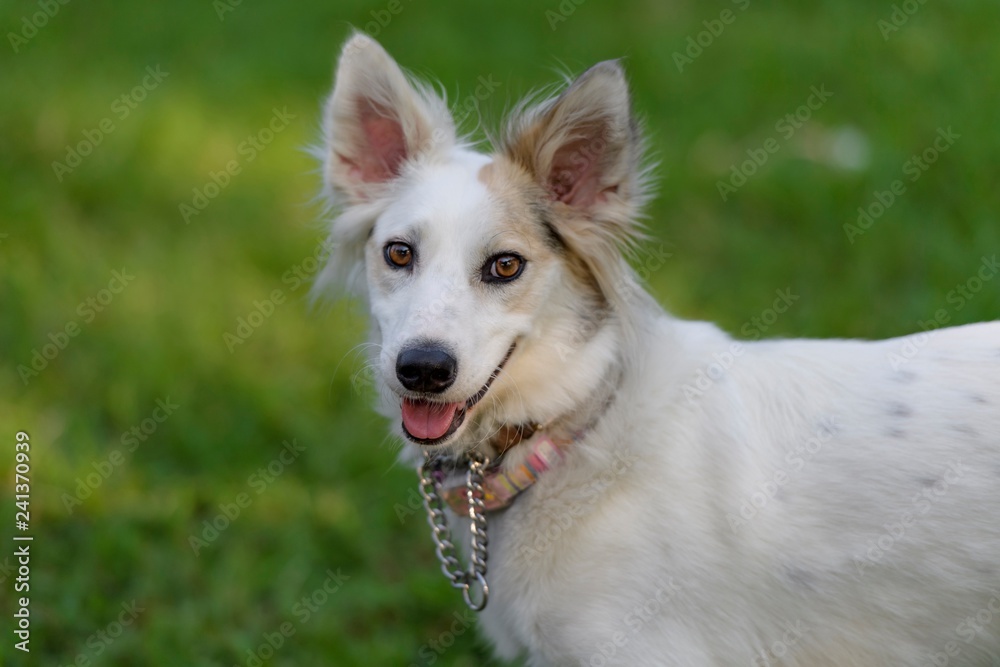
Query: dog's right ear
378	121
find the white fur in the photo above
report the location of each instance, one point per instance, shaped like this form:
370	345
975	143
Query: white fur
808	504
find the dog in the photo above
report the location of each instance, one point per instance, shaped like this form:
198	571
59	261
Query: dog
676	497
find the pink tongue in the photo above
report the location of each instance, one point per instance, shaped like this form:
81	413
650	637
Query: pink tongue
427	421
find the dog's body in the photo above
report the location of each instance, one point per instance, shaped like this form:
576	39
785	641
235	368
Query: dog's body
777	503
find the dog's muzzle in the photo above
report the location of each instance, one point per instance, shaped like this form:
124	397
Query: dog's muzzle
429	422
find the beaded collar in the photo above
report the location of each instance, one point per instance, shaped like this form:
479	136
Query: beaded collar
501	487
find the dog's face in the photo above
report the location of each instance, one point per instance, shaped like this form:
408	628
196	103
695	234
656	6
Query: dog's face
454	284
489	277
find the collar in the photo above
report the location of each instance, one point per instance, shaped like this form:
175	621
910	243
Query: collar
501	487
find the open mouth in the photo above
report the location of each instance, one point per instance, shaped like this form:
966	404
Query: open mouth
427	422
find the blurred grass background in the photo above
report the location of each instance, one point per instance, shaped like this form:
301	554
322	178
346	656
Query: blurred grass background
336	506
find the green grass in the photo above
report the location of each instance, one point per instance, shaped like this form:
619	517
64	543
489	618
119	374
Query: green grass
334	507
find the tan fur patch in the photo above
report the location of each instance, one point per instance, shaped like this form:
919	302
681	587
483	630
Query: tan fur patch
521	196
484	173
515	192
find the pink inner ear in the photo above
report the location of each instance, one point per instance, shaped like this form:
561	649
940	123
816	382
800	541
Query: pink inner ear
383	144
574	177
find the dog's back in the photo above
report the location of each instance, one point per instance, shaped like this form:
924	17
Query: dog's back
812	505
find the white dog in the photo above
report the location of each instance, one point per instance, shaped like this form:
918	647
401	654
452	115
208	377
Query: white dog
699	501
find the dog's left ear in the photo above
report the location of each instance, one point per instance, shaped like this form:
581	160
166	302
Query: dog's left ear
585	150
583	146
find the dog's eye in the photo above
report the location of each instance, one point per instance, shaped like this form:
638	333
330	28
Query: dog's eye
398	255
503	268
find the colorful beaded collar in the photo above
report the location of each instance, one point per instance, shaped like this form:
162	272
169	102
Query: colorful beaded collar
501	487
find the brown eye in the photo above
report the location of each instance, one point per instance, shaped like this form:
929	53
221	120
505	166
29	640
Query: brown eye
398	255
502	268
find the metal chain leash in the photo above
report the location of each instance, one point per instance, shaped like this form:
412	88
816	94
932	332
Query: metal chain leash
475	573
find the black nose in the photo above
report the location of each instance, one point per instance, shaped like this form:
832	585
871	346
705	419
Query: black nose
426	368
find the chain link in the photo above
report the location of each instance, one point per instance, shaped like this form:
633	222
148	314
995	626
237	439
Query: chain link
475	573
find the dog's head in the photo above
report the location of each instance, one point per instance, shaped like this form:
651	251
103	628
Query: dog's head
494	281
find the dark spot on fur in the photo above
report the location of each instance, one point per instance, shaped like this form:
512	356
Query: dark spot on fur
965	429
979	398
927	481
900	410
896	433
904	376
553	239
591	318
828	427
800	577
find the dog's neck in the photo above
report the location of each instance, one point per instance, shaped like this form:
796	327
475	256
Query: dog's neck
581	420
524	452
510	436
583	370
